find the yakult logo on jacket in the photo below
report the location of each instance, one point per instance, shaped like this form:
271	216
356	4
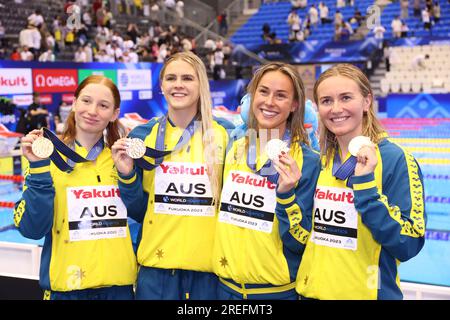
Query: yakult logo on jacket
15	80
95	193
254	180
182	169
55	80
344	196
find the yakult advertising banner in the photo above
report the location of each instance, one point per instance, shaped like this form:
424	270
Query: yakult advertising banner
15	80
55	80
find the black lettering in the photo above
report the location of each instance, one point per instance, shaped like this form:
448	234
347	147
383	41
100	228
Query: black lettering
317	214
86	212
339	217
248	201
259	201
329	218
102	214
200	188
172	188
235	197
112	210
184	191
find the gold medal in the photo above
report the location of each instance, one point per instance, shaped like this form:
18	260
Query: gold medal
42	147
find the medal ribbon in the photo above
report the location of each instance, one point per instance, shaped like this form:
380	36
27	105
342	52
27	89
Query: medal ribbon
344	170
159	153
72	156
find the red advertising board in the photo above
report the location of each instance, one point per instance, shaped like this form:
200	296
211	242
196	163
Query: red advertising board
55	80
45	99
68	98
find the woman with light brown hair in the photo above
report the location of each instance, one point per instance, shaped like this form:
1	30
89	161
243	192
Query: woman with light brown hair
176	194
87	252
267	194
369	202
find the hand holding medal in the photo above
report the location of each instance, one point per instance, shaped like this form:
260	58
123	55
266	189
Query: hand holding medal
274	148
42	147
136	148
363	149
289	173
35	147
124	151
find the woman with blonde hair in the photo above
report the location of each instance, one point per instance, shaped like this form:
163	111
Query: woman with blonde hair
177	192
87	252
267	195
369	203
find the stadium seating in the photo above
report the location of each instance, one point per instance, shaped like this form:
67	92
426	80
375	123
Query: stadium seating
276	15
415	25
404	77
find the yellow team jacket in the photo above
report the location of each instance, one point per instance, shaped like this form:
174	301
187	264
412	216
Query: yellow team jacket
172	241
259	246
43	210
363	228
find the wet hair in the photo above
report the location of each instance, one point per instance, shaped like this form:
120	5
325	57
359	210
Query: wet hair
114	130
295	121
204	105
371	126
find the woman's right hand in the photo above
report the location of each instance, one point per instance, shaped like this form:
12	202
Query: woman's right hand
289	172
26	143
124	163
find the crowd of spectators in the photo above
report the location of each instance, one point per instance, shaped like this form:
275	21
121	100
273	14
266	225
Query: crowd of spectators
88	29
300	28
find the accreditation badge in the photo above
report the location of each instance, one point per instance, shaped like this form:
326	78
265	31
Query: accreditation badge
96	212
248	200
183	188
335	218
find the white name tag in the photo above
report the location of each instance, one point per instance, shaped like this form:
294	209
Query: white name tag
183	189
248	201
335	218
96	213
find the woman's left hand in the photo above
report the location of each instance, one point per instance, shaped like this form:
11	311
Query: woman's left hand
366	160
289	172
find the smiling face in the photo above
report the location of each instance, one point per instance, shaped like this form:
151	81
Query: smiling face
180	86
273	101
341	106
94	108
